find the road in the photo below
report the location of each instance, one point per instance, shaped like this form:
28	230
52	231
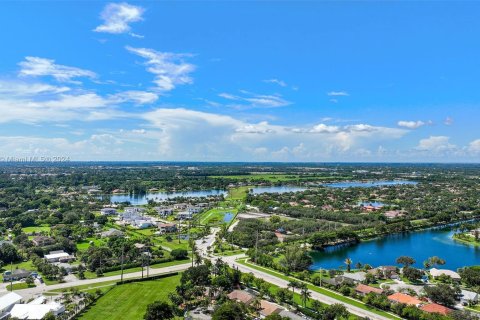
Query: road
315	295
34	292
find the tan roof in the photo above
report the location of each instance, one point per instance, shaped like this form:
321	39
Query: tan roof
268	308
404	298
241	296
367	289
436	308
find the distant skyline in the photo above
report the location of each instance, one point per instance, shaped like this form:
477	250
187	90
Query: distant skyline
241	81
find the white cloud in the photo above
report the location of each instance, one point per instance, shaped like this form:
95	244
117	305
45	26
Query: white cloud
448	121
474	146
323	128
411	124
36	67
169	68
117	17
251	100
137	97
276	81
338	94
436	144
17	88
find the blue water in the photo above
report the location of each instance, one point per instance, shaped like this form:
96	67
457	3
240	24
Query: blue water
140	199
375	204
384	251
276	189
367	184
228	216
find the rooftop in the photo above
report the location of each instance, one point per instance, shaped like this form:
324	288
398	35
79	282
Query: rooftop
404	298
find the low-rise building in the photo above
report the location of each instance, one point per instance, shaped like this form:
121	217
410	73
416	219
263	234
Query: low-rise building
111	233
363	289
164	211
16	274
7	302
468	297
404	299
268	308
436	308
108	211
36	309
439	272
241	296
167	227
59	256
41	241
184	215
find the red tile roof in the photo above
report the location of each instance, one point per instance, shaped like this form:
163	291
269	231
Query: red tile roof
436	308
241	296
268	308
367	289
404	298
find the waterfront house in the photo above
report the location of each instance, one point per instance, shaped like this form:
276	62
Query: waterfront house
404	299
356	277
435	273
134	210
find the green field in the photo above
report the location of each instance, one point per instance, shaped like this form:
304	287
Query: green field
85	244
262	177
215	215
20	286
36	229
93	275
239	193
130	301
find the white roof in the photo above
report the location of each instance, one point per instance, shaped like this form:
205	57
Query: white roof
9	299
34	311
469	295
358	276
438	272
57	255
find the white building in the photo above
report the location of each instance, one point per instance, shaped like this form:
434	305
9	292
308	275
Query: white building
438	272
58	256
184	215
36	309
468	297
7	302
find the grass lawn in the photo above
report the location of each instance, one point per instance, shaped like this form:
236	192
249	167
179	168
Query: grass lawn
323	291
130	301
20	286
84	245
35	229
215	215
264	177
174	244
104	286
239	193
93	275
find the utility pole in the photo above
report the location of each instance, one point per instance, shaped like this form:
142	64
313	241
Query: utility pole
11	276
123	253
256	248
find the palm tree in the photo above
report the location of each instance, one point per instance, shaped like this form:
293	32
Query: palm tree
293	284
305	294
348	262
256	304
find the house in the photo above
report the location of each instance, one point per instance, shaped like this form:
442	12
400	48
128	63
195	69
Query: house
475	232
36	309
180	206
16	274
392	214
468	297
59	256
7	302
438	272
385	272
194	210
111	233
142	224
134	210
354	276
41	241
164	211
184	215
167	227
436	308
404	299
363	289
267	308
108	211
241	296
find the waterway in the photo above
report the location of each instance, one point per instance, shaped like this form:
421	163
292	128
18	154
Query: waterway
140	199
384	251
277	189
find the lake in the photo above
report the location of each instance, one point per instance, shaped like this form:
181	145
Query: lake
368	184
384	251
140	199
228	216
276	189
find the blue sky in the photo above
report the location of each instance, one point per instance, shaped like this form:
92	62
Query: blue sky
240	81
